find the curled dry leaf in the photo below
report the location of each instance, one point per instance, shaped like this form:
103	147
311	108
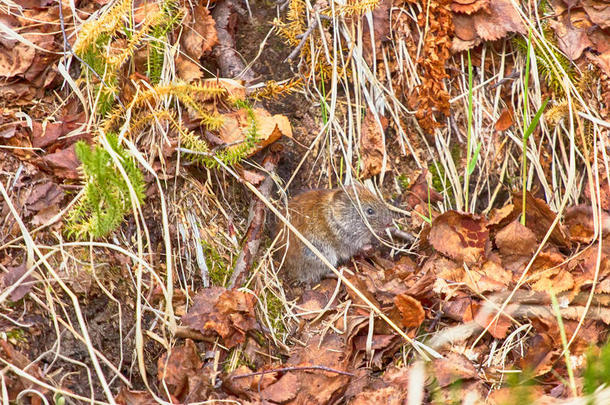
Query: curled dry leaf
228	313
269	128
317	386
469	6
175	366
63	163
516	240
372	145
488	22
129	397
459	236
198	38
580	226
548	273
285	389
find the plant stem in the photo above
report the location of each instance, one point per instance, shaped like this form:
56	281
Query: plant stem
469	136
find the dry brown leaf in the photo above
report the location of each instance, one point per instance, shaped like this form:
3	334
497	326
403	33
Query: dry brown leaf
469	6
598	11
579	223
501	19
129	397
498	328
199	35
173	367
506	120
539	355
539	217
386	395
571	33
516	239
460	236
283	390
451	368
229	313
188	70
318	387
464	27
411	310
421	192
269	128
372	145
63	163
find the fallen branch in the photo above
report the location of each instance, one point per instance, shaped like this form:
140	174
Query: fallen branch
229	60
256	221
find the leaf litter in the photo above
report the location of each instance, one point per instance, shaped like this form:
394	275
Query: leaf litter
453	288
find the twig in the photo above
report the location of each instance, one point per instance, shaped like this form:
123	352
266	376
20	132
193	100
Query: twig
312	24
256	221
285	369
229	61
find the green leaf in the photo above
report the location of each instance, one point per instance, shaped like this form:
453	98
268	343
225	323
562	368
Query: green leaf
473	161
534	123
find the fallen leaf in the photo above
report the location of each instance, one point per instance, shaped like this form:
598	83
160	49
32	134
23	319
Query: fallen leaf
499	328
283	390
451	368
412	312
459	236
269	128
229	313
13	275
598	11
571	33
129	397
372	145
469	6
539	217
500	19
516	239
506	120
44	195
63	163
199	34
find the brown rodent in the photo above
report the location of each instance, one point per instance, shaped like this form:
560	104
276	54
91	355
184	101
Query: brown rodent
334	222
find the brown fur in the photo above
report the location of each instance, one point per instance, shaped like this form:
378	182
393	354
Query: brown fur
333	223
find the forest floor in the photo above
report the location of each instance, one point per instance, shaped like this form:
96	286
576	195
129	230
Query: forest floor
149	148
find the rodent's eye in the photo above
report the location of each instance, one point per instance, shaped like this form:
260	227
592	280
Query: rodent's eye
370	211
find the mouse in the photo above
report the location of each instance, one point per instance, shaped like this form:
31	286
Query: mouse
335	222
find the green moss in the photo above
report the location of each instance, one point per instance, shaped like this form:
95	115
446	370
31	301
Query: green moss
545	63
597	371
404	182
219	269
275	310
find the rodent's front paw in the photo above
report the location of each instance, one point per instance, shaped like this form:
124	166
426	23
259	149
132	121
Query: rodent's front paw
367	250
